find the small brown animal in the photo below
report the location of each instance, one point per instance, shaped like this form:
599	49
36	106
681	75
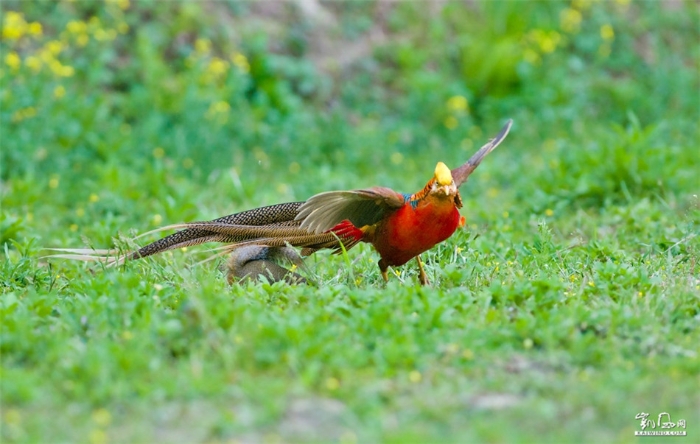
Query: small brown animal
256	261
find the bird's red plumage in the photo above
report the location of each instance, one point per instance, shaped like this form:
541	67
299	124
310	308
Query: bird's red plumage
410	231
346	230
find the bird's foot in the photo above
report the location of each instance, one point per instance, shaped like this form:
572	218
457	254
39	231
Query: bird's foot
422	277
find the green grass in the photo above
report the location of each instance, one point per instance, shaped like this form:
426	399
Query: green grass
568	303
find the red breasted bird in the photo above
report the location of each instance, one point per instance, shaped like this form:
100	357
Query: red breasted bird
399	226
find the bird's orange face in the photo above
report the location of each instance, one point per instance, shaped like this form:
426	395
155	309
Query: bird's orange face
443	187
442	184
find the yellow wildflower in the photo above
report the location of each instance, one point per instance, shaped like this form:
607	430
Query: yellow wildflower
415	376
217	67
83	40
33	63
202	46
101	35
457	103
549	41
102	417
14	26
67	71
581	5
240	61
607	32
10	33
54	47
531	56
451	122
12	60
59	91
35	28
222	106
24	113
13	416
45	55
546	41
282	188
61	70
570	20
332	383
217	108
76	27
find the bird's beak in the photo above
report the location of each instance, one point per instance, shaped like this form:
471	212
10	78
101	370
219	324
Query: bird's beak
447	190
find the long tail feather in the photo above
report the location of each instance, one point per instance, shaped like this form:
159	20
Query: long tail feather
279	214
85	251
278	233
461	174
80	257
179	226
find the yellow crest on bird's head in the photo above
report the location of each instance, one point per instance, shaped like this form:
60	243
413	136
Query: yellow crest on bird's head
443	175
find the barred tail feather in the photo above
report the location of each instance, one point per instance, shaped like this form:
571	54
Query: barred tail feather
272	226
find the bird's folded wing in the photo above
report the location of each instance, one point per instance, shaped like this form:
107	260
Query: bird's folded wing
324	211
460	174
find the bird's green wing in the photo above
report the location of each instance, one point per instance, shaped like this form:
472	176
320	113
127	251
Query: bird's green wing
324	211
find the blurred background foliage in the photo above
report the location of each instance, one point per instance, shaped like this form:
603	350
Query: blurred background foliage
250	103
572	288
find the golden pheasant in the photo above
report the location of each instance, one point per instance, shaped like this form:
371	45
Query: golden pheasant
399	226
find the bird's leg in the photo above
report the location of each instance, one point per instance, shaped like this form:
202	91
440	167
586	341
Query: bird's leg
422	276
383	267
